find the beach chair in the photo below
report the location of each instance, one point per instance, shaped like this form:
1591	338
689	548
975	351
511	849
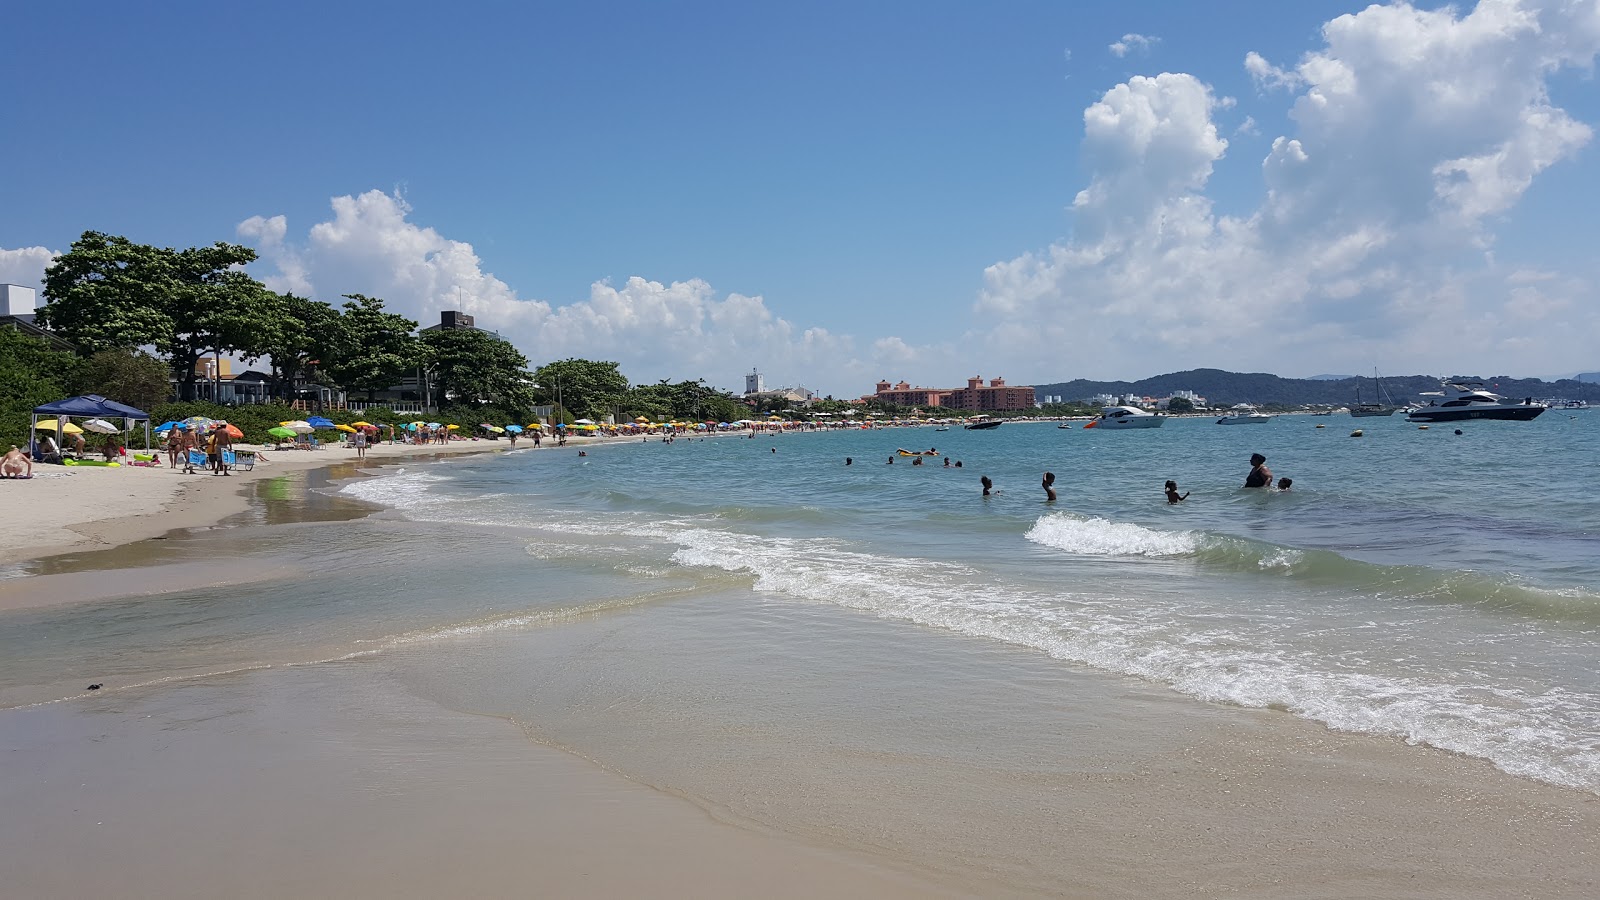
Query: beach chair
315	444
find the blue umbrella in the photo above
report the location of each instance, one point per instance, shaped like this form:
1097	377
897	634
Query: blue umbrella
514	428
433	424
319	422
168	426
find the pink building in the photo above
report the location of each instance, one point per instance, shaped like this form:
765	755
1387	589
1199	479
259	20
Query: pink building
996	395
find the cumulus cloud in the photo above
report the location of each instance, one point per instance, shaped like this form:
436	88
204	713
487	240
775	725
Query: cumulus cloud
684	329
1133	43
1413	130
25	266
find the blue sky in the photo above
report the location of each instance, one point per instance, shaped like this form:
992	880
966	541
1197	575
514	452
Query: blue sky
842	192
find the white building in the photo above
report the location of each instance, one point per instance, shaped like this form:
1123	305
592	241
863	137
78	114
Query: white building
755	383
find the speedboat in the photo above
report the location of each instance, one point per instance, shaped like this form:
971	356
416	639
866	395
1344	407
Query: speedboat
1461	400
980	423
1249	418
1125	417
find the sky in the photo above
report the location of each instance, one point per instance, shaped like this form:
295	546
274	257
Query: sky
837	193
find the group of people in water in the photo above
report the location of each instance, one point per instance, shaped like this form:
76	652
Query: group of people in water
1260	478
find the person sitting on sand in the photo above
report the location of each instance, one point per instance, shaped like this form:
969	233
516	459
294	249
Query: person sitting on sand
1049	487
1172	493
1260	476
987	485
16	464
112	450
1285	483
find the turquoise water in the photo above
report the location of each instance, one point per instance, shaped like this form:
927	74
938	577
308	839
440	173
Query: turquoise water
1420	585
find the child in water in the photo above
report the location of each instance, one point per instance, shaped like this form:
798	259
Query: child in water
1049	487
1285	483
987	484
1172	493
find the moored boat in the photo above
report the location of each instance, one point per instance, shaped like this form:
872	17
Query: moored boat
1125	417
1463	400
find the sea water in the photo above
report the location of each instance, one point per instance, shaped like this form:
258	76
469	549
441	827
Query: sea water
757	625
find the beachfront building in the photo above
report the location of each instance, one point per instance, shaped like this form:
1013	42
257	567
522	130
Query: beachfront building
996	395
1198	401
18	306
755	383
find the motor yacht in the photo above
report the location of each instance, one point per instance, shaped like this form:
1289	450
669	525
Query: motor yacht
1245	418
1460	400
1125	417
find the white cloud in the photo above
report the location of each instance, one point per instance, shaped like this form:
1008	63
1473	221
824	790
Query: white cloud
25	266
1133	43
1413	131
679	330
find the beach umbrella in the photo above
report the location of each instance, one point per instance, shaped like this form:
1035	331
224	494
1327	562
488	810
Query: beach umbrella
230	430
585	421
197	422
363	424
320	422
345	428
514	429
281	432
452	427
298	427
433	424
100	426
168	426
69	428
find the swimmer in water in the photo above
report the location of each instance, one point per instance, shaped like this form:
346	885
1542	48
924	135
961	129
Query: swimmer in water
848	461
987	485
1285	483
1172	493
1049	487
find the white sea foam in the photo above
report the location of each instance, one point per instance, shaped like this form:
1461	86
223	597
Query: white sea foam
1546	736
1099	537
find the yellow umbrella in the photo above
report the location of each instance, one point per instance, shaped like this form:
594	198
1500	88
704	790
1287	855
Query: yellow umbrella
452	427
51	426
345	428
363	424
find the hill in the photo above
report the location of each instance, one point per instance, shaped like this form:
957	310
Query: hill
1222	388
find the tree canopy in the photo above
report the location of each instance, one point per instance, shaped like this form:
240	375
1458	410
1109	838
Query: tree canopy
370	349
584	386
475	367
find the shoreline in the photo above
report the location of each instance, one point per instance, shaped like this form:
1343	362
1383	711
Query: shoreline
89	508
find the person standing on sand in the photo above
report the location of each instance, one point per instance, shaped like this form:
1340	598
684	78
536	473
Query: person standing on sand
222	442
361	443
190	446
1049	487
1260	476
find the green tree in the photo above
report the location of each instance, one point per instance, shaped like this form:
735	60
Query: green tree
1180	405
370	349
584	386
31	373
299	337
475	367
126	376
108	293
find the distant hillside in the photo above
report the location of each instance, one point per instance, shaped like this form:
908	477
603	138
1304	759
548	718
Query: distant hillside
1227	388
1587	376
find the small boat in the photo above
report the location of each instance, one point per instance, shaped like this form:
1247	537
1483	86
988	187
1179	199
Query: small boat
1249	418
1125	417
1461	400
942	428
1064	425
982	423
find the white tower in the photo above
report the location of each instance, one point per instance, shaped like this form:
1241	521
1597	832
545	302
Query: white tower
754	383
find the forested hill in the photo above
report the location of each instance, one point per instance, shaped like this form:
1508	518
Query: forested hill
1227	388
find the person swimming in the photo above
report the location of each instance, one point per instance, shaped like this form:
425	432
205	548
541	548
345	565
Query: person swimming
848	461
987	485
1049	487
1285	483
1172	493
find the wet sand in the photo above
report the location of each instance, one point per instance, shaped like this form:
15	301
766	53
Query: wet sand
322	782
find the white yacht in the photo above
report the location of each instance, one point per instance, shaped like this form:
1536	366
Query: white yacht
1125	417
1245	418
1460	400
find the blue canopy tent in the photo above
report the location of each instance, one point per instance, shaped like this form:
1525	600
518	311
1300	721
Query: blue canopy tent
90	406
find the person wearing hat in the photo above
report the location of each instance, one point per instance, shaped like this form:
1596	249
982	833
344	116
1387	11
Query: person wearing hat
1260	476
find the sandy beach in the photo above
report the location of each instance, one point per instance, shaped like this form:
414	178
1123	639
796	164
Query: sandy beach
254	740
